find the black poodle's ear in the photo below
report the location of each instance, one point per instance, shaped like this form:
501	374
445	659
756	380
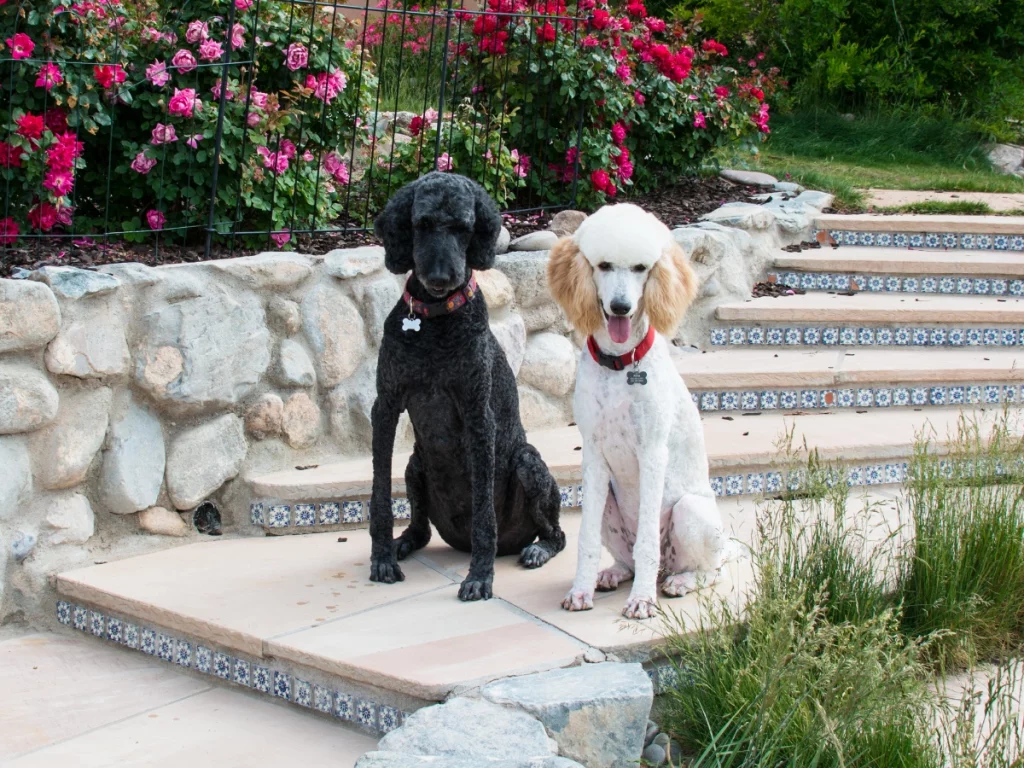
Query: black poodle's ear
394	226
480	254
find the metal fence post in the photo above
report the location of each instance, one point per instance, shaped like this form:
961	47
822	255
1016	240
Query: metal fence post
448	17
225	65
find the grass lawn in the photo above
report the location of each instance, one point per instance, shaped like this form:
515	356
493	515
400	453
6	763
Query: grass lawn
823	151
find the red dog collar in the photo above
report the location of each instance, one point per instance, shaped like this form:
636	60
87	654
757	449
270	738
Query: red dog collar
620	362
457	300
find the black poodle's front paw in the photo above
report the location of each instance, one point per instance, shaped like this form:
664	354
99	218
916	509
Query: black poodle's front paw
475	589
403	548
385	572
534	556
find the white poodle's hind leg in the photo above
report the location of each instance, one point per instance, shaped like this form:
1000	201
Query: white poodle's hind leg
696	546
618	540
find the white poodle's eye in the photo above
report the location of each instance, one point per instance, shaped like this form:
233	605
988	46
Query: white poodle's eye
639	268
604	266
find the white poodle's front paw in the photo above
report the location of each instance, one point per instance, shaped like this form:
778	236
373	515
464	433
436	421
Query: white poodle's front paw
679	584
640	607
609	579
578	600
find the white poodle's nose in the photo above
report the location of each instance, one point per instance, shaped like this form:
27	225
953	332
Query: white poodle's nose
620	307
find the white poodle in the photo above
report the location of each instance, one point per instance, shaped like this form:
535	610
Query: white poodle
647	497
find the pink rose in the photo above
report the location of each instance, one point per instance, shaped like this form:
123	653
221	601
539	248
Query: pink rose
698	120
184	102
258	99
151	35
274	161
198	32
163	134
237	36
21	46
193	141
288	148
243	5
296	56
155	219
445	162
211	50
184	61
253	119
9	231
215	90
279	238
307	156
157	74
335	166
49	76
59	181
142	164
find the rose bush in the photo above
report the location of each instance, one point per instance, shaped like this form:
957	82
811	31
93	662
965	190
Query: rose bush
114	114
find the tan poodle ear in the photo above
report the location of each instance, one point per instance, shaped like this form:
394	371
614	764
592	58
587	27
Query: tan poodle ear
571	280
671	286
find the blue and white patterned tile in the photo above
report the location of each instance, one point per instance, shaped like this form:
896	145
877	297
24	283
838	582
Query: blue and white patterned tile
792	279
983	242
132	636
812	336
183	653
366	714
345	707
1017	287
1001	242
1008	337
323	699
809	398
1017	243
932	240
769	400
956	395
809	281
737	335
282	685
261	679
730	401
719	337
929	285
165	648
204	660
949	240
919	396
902	336
855	476
893	473
967	241
755	482
825	282
96	623
846	398
875	283
992	394
390	718
709	401
788	399
911	285
974	337
883	397
991	337
865	398
579	495
947	285
893	284
901	240
937	395
303	693
352	512
330	513
956	337
884	337
937	337
974	394
400	509
305	515
755	336
147	642
795	479
1010	393
240	674
883	239
567	495
774	336
900	397
998	287
865	337
830	336
981	286
279	516
919	337
916	240
115	630
733	485
222	666
840	282
750	401
718	486
874	474
847	337
772	482
256	513
64	612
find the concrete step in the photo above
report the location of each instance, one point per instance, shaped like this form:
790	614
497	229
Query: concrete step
751	378
999	233
874	444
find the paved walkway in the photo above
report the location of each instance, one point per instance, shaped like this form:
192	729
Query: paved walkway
997	201
72	701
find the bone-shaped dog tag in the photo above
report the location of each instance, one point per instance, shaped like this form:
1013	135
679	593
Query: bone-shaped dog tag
410	324
636	377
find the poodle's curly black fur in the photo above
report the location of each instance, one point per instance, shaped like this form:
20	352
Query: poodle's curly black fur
472	473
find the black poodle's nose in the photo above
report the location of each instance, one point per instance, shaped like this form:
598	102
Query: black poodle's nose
437	285
620	307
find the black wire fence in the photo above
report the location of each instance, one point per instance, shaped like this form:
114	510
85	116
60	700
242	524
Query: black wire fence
228	124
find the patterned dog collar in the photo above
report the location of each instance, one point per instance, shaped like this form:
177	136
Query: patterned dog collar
620	362
456	301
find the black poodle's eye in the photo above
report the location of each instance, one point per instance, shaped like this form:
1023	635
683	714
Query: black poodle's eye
639	268
604	266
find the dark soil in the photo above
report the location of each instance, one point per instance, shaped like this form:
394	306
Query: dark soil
676	205
774	290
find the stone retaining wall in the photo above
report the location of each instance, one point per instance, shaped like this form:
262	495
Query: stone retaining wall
129	395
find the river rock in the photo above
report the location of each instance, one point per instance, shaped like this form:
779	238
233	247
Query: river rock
300	421
273	270
565	223
134	462
204	352
541	240
29	315
377	298
596	712
295	369
74	283
537	410
346	263
511	335
397	760
202	459
752	178
16	477
90	348
496	288
162	522
334	328
1007	158
27	399
504	238
528	273
815	199
284	315
71	517
65	448
470	728
549	364
265	417
743	215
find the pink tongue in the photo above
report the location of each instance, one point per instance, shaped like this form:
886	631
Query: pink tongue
618	329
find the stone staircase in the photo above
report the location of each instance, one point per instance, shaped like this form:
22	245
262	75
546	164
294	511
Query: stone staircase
294	618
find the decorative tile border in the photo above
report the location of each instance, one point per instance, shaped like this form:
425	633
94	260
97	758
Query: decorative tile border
777	481
272	515
878	336
858	397
255	674
927	240
938	284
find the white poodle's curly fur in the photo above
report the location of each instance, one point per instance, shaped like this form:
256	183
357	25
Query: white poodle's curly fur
646	492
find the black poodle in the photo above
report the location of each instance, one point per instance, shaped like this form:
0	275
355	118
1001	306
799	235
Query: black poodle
472	473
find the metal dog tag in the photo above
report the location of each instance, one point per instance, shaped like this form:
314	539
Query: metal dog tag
636	377
409	324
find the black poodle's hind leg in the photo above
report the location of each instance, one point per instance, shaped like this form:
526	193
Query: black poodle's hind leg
417	534
543	504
